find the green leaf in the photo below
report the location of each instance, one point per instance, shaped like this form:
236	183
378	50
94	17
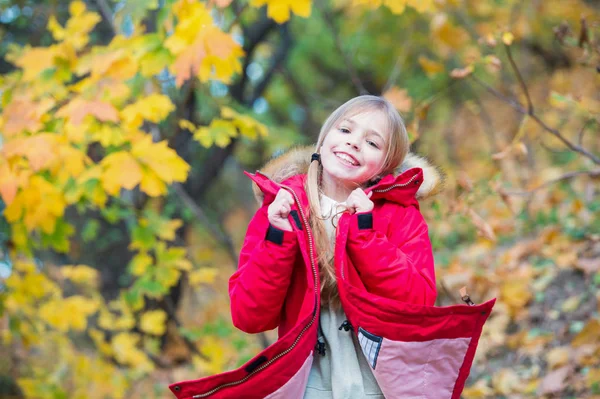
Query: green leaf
90	231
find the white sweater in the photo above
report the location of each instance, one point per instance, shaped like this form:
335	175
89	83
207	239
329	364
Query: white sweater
343	373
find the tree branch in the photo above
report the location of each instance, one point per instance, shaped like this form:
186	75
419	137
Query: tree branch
519	108
221	237
520	78
338	41
107	14
595	173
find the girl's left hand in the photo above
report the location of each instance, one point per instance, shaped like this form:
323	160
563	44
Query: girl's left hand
358	201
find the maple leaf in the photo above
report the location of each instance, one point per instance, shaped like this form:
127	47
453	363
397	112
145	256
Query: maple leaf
23	114
279	10
121	170
40	204
429	66
77	109
161	160
77	29
153	108
201	49
124	347
33	61
154	322
399	98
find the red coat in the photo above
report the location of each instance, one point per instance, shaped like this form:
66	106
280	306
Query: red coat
384	265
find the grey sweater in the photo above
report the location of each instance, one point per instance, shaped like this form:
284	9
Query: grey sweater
343	373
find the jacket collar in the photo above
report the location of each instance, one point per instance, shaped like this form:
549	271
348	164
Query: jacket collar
416	178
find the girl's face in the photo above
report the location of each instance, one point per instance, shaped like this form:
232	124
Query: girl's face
354	151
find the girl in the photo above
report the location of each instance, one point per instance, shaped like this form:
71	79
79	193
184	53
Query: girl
338	258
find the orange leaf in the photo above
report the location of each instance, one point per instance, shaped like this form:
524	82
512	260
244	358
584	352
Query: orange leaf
399	98
79	108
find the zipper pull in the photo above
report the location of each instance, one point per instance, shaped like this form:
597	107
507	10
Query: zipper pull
320	347
465	297
346	326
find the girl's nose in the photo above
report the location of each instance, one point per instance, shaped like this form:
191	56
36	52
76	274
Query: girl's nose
352	143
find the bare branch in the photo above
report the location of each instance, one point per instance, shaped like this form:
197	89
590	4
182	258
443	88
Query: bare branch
519	108
107	14
582	131
393	75
327	17
170	309
595	173
520	77
223	238
501	96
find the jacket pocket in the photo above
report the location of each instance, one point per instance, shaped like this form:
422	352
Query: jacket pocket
370	345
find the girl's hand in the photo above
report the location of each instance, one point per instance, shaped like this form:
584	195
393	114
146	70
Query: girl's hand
358	201
279	210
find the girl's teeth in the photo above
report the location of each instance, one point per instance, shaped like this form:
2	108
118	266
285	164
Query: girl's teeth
345	158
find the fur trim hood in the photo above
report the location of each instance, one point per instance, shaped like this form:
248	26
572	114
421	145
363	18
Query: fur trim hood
296	160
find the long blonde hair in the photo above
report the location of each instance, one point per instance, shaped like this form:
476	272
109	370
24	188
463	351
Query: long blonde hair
397	148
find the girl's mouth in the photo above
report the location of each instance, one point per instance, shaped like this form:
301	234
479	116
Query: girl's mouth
346	159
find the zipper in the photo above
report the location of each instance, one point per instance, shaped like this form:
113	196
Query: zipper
384	190
288	350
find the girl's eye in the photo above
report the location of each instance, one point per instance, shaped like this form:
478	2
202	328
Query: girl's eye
373	144
344	130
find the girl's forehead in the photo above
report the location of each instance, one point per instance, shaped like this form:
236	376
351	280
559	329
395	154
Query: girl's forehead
372	120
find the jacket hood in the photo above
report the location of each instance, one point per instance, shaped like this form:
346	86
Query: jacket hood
296	161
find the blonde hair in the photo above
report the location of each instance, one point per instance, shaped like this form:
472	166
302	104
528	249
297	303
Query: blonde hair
396	150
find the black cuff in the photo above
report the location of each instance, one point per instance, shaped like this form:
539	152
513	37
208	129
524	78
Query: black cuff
365	221
274	235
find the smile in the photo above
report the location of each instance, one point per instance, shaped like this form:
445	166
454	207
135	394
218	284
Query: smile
347	159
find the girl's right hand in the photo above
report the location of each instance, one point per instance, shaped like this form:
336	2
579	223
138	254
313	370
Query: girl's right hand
279	210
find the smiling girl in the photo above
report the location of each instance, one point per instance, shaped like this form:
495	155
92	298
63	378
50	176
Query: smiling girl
338	259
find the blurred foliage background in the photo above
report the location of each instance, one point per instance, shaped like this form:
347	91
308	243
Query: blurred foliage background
126	126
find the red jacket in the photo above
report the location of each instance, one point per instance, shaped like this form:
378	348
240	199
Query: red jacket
384	265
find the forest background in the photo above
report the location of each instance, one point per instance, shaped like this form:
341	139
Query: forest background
126	126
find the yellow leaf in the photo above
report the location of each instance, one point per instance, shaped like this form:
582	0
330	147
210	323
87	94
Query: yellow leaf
34	61
153	108
168	229
140	263
121	170
55	28
199	46
479	390
450	36
203	276
593	378
68	314
80	274
152	185
124	346
558	357
154	322
430	67
161	160
515	293
507	38
279	10
589	335
396	6
506	381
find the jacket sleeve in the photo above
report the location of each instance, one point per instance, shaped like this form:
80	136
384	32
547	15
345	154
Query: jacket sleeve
398	265
258	288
